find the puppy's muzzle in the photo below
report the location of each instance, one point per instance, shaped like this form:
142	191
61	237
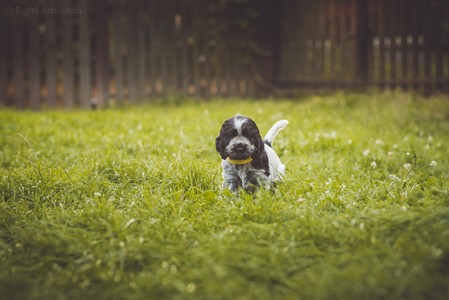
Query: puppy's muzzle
240	148
240	151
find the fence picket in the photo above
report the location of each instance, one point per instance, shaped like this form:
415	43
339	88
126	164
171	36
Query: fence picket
33	62
3	65
18	63
68	59
84	57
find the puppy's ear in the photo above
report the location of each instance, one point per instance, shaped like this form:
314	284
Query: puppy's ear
219	147
217	143
260	145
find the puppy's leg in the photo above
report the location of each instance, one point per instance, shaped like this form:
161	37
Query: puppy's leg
254	180
231	182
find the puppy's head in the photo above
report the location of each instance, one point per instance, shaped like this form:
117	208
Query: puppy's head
239	139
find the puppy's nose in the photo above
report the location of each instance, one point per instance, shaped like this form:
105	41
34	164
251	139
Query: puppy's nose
240	148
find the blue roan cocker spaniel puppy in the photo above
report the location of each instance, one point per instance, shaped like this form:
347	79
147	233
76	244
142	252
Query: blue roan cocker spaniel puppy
248	161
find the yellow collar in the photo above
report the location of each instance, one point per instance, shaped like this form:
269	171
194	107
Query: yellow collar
239	161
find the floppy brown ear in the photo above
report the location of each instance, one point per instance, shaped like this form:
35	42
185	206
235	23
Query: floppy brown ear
260	144
218	147
217	143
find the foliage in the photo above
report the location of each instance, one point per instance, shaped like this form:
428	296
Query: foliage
126	204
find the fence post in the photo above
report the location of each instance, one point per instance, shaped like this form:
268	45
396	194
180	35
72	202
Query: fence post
84	56
362	40
50	59
276	46
33	63
18	63
102	53
3	68
68	59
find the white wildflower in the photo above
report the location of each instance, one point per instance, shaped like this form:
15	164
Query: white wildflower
379	142
433	164
366	152
407	166
394	177
362	226
373	164
190	288
300	199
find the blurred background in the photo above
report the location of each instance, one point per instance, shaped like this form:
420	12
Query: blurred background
81	54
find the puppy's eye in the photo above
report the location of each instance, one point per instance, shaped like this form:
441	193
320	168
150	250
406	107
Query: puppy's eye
231	133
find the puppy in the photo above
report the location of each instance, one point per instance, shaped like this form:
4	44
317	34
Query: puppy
248	161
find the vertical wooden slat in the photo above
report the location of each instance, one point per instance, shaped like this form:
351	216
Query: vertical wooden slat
185	26
68	58
152	47
373	74
280	43
218	59
3	62
343	65
319	55
237	73
207	50
118	54
84	58
438	44
18	63
381	30
131	52
233	71
333	42
427	47
227	62
102	51
173	46
176	46
362	41
415	46
302	48
405	11
393	15
141	51
33	61
355	42
186	30
50	58
170	46
164	52
196	49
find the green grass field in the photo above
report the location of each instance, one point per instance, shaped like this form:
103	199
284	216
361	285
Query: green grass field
126	203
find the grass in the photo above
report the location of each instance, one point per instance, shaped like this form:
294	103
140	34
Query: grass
126	204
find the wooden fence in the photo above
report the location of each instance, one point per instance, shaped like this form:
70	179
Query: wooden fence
80	53
349	43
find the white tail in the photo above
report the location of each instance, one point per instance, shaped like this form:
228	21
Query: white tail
271	134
